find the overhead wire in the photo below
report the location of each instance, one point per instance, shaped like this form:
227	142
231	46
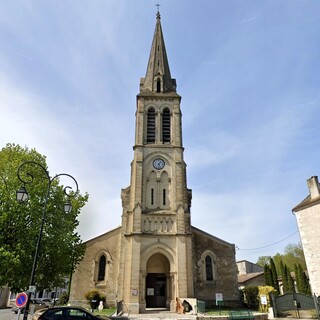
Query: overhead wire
269	245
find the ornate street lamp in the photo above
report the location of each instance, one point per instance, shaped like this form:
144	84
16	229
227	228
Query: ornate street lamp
23	196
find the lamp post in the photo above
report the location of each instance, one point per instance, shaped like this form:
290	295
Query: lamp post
23	196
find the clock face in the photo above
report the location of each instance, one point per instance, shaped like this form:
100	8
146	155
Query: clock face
158	164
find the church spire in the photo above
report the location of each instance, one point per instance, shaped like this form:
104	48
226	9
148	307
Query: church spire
158	78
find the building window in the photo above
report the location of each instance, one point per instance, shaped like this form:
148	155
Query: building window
209	269
164	191
151	126
166	125
102	268
152	196
158	84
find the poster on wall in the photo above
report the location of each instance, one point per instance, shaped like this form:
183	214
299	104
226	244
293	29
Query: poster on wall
150	291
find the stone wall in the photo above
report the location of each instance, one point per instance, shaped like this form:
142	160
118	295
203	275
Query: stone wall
85	276
308	220
225	273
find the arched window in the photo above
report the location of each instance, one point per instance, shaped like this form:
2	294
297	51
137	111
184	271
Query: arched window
102	268
164	201
209	269
158	84
151	126
166	125
151	194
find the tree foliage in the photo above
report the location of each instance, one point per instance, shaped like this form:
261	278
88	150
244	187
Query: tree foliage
283	264
268	275
94	297
291	287
293	254
263	260
302	281
61	247
274	274
284	277
251	298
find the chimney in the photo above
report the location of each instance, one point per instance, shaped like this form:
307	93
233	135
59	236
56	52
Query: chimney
313	186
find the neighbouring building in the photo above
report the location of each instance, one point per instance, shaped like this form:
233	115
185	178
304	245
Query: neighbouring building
250	274
307	214
156	255
245	267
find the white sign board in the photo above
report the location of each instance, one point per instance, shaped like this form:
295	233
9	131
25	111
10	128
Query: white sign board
219	299
150	291
263	299
32	289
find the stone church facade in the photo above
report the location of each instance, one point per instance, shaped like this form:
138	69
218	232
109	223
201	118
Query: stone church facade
156	255
307	214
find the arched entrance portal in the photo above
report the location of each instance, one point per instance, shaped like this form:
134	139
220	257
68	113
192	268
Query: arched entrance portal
157	281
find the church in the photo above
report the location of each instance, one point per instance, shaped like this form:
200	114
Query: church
156	255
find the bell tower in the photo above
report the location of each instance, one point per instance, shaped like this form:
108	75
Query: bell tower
156	251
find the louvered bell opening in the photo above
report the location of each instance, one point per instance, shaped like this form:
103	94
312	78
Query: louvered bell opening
151	126
166	126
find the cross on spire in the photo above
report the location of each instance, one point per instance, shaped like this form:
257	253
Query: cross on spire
158	13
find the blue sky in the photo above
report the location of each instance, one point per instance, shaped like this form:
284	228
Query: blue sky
248	73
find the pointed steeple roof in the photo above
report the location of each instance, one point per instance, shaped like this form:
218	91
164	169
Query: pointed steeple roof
158	78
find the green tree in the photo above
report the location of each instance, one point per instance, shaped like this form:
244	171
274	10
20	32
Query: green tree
268	275
284	277
274	273
297	277
293	254
251	297
263	260
61	247
303	281
290	280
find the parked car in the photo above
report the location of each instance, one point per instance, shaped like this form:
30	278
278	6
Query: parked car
68	313
36	303
48	301
38	313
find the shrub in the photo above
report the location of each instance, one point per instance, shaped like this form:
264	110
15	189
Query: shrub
63	299
94	297
265	290
251	297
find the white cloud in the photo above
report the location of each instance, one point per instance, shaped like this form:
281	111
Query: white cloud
70	73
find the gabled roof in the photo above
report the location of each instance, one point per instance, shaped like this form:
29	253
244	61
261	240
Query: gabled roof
212	237
117	229
307	202
314	195
242	278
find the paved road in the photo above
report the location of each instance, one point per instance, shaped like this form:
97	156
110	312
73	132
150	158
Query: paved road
7	314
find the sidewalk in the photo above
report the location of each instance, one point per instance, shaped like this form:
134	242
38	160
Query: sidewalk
158	315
